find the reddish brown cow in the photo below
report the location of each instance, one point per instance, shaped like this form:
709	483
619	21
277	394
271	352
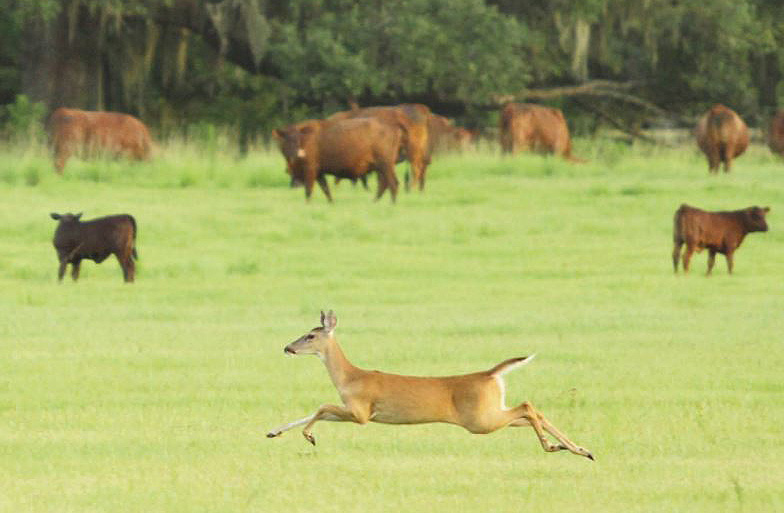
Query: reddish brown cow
95	240
721	135
91	133
720	232
445	136
413	118
776	134
345	148
531	127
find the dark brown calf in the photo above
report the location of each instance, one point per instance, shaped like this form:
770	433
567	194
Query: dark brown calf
720	232
95	240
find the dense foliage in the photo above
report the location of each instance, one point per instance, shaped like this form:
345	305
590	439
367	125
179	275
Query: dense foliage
252	64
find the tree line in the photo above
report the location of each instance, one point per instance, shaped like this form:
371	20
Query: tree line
252	65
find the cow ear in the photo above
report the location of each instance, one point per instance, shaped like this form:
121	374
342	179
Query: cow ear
78	216
55	216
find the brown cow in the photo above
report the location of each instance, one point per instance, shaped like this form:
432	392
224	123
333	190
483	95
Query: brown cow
531	127
95	240
90	133
445	136
776	134
413	118
722	136
345	148
720	232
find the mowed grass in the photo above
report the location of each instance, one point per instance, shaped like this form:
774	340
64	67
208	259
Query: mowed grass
156	396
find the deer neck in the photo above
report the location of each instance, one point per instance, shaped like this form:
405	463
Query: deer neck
339	368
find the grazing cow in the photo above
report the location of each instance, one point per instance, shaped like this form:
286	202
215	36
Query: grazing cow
722	136
95	240
720	232
776	134
531	127
444	136
91	133
345	148
413	118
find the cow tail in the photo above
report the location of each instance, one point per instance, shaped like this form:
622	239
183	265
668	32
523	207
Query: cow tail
677	225
134	253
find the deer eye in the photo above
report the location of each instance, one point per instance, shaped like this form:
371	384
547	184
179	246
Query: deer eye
311	335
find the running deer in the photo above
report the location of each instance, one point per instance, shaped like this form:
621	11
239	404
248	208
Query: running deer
474	401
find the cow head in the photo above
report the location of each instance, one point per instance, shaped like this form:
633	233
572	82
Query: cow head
755	219
291	141
66	218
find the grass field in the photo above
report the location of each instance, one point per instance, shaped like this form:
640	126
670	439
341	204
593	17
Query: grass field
156	396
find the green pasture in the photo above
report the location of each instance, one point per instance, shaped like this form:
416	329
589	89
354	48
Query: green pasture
156	396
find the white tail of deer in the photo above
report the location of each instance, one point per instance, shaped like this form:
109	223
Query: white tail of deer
474	401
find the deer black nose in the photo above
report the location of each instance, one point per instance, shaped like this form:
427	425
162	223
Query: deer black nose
288	350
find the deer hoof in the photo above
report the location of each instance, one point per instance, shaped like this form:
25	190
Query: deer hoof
310	438
272	434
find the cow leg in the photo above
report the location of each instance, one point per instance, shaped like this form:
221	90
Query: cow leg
387	169
711	261
127	265
713	160
61	154
382	184
422	179
687	257
729	259
61	270
322	181
75	266
676	255
310	177
729	151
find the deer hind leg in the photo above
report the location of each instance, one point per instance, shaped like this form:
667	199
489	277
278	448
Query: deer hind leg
529	416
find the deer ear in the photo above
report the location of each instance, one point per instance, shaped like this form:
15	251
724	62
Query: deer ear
278	134
329	321
55	216
78	216
766	209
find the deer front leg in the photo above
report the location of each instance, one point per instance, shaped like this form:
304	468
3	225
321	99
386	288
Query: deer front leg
291	425
333	413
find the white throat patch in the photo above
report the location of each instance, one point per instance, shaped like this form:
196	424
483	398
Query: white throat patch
301	153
